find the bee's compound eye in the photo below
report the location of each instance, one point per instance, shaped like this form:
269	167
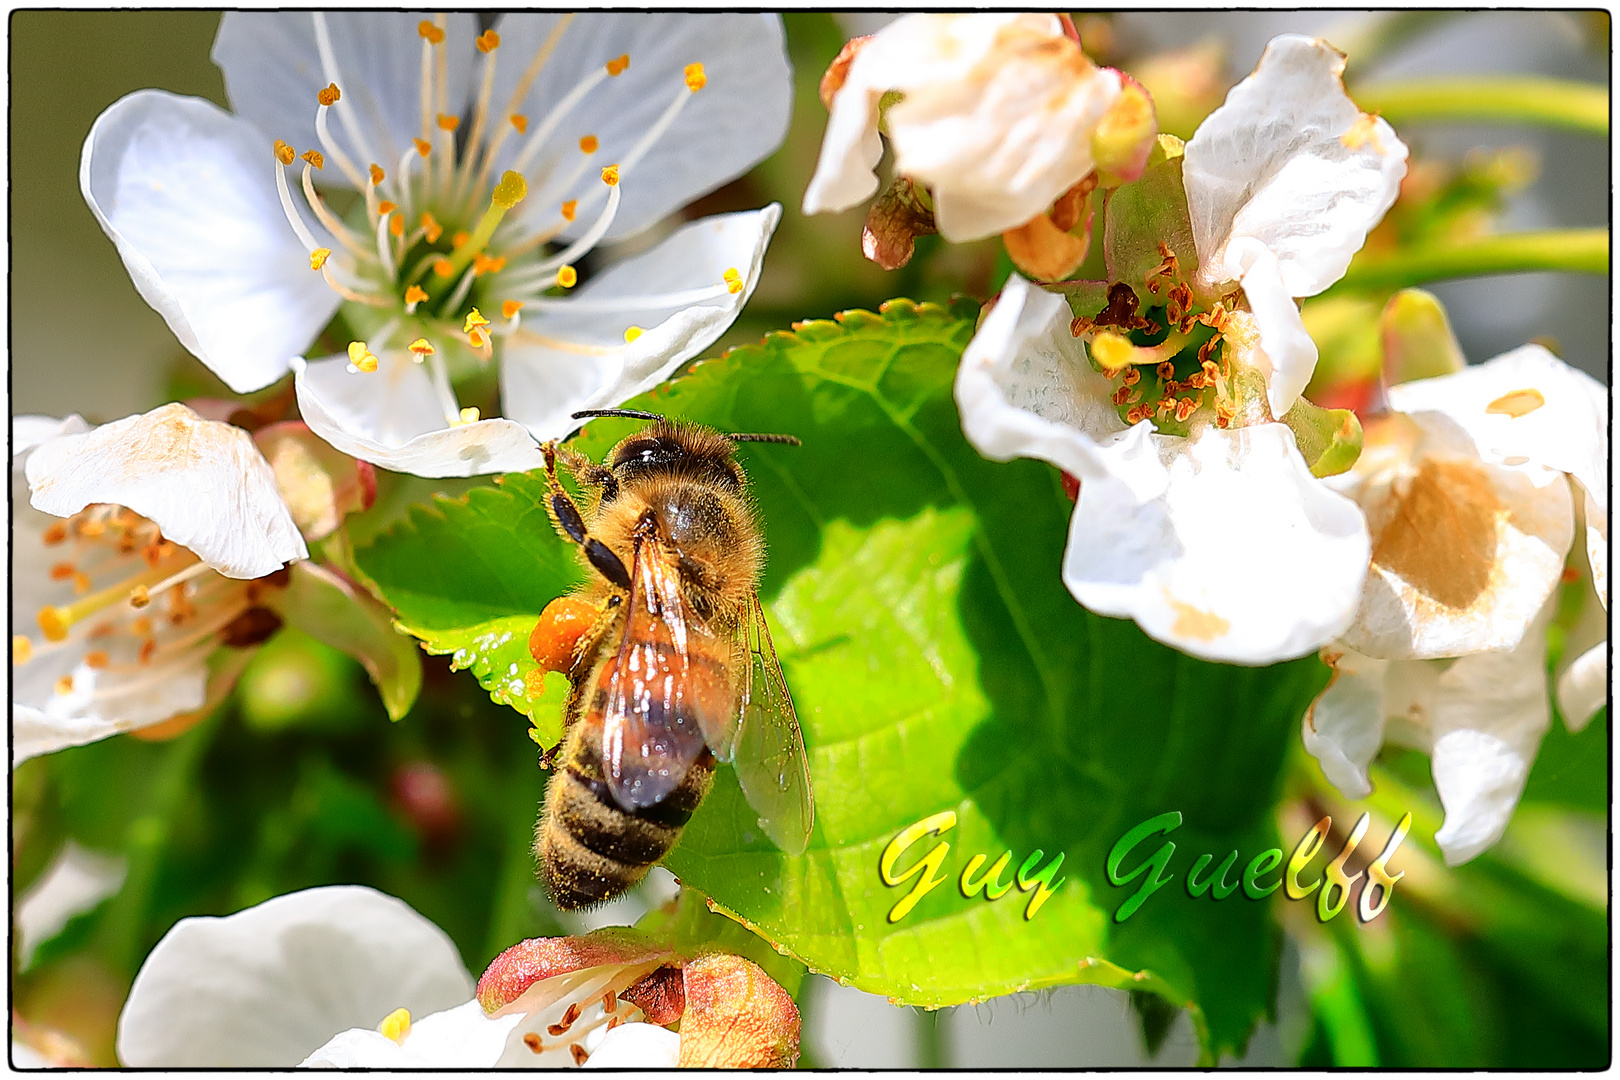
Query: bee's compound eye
561	625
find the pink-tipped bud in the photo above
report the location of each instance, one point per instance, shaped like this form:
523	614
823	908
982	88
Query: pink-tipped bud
1124	137
522	969
736	1017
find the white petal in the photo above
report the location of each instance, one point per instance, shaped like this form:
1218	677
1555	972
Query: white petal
187	192
1286	348
76	881
392	418
273	69
541	385
1284	162
203	482
458	1038
637	1046
1597	546
1583	688
361	1048
1569	432
28	432
1245	558
1488	715
1464	553
1025	389
1345	725
267	986
737	119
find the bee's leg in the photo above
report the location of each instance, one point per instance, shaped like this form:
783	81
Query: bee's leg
565	515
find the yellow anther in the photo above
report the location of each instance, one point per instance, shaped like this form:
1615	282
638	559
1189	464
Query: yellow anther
62	571
362	357
617	67
314	158
423	147
55	533
284	153
488	41
510	308
54	624
330	95
377	174
459	238
22	650
421	347
510	191
569	208
610	176
695	77
415	294
396	226
397	1024
141	627
567	277
474	320
447	122
81	583
431	229
733	280
386	207
138	598
432	33
442	267
64	685
96	659
488	264
589	144
469	415
520	122
149	647
631	333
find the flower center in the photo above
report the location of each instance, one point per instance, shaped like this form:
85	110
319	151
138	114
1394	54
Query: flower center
439	241
145	604
1174	361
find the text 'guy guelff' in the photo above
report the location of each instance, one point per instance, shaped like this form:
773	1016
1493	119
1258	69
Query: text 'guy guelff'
1332	889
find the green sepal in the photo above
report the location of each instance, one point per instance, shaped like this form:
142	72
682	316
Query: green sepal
1330	439
1139	216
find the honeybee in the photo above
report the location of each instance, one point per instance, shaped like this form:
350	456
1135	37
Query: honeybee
669	660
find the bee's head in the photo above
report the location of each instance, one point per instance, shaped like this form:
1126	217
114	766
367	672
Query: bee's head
673	448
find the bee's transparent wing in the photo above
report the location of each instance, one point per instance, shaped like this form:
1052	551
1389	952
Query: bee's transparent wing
766	747
666	684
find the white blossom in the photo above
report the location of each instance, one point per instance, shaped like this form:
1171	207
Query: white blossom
487	166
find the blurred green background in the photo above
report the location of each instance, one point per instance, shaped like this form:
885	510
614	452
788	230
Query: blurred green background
299	779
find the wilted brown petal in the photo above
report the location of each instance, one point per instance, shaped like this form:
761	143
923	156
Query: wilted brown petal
838	70
893	224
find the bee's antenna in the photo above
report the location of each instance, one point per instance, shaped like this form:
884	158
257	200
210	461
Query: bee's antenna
786	440
628	414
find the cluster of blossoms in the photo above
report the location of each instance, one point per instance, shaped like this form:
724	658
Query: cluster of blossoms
1216	506
346	977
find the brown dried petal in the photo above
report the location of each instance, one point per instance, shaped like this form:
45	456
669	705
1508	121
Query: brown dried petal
896	219
661	996
736	1017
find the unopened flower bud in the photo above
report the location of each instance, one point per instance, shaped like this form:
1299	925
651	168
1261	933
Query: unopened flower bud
736	1017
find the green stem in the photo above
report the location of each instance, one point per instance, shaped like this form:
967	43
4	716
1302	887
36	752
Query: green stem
1575	251
149	835
930	1040
1555	102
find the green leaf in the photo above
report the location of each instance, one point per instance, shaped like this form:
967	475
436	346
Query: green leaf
938	664
497	653
461	562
